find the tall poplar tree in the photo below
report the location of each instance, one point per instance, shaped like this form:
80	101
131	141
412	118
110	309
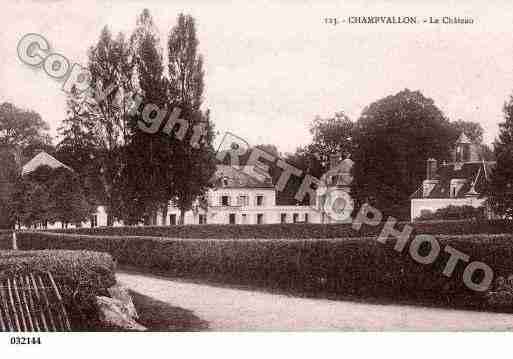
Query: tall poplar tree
111	68
194	160
148	174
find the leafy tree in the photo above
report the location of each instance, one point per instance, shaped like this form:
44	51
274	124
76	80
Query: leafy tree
67	199
194	164
111	68
9	171
147	175
393	139
22	133
79	147
20	128
185	65
49	195
331	136
499	192
30	203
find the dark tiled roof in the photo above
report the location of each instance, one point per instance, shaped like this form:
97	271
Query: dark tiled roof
467	171
246	177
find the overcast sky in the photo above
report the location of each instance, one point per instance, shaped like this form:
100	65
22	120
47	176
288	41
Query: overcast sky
271	68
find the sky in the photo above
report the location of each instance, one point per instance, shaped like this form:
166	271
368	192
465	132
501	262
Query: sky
271	67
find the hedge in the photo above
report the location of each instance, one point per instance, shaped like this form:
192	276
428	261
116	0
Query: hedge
292	230
5	239
81	275
344	266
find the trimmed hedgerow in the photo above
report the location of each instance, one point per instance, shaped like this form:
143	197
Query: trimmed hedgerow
5	239
292	230
350	266
81	275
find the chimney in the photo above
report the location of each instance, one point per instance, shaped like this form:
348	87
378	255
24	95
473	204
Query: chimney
431	167
430	182
334	161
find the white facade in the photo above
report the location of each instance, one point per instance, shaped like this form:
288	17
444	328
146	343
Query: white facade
244	206
242	196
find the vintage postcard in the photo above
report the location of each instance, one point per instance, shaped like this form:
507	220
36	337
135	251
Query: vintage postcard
283	166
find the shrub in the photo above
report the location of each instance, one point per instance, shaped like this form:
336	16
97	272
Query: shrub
81	275
350	266
291	230
5	239
454	213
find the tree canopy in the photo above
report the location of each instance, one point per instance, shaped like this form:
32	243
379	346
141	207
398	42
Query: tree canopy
500	189
393	138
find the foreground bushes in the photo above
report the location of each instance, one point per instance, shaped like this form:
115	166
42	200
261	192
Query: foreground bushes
81	276
292	230
454	213
351	266
5	239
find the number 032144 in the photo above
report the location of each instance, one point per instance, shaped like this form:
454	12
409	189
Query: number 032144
25	340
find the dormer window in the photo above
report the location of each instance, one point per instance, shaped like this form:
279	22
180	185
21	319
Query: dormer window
456	186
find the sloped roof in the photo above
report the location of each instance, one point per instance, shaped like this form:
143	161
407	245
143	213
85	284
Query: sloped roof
463	139
42	159
243	177
340	174
469	171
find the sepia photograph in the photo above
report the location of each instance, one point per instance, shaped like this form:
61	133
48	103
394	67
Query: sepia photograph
255	167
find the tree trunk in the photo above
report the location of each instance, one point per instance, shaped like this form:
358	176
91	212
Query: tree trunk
181	221
164	214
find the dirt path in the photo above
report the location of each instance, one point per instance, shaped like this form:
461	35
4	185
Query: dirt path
230	309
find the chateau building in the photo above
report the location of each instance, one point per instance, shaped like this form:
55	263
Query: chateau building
242	196
457	183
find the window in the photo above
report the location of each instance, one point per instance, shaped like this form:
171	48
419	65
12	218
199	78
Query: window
260	200
260	218
306	217
244	218
225	201
172	219
94	221
283	218
295	217
232	218
225	182
202	219
243	200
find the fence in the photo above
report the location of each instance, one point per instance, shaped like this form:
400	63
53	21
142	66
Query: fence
32	303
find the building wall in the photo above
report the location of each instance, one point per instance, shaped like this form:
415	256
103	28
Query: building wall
217	213
432	204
